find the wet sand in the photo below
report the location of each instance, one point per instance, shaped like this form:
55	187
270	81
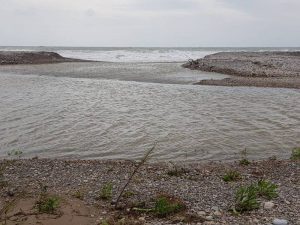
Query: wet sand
260	69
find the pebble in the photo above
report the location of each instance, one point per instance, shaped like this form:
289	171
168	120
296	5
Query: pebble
209	218
268	205
280	221
141	218
201	213
215	208
217	213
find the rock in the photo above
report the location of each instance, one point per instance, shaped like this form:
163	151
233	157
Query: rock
255	221
201	213
209	218
217	213
209	223
11	192
215	208
141	218
280	221
268	205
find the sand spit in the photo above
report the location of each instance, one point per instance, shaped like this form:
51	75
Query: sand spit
208	198
260	69
22	57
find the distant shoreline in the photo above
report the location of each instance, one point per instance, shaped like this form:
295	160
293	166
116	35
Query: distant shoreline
24	57
259	69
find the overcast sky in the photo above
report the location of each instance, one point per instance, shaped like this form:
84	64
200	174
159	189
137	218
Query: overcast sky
150	22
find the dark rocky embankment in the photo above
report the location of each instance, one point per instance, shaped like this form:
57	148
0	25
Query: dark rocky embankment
262	69
20	57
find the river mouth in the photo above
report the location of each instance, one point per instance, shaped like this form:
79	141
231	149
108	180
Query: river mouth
119	110
151	72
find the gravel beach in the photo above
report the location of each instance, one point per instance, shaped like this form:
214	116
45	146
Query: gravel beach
199	186
260	69
22	57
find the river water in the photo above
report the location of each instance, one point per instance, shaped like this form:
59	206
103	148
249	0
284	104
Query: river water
118	108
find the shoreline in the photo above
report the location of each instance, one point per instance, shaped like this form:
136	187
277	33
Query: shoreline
258	69
27	57
207	197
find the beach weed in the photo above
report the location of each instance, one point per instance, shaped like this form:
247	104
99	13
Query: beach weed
296	154
48	204
244	162
128	194
266	189
78	194
166	205
106	191
104	223
231	175
246	199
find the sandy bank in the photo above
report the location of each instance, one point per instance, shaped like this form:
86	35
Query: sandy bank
20	57
199	186
261	69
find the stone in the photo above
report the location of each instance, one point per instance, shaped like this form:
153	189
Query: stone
209	218
215	208
217	213
268	205
201	213
141	218
280	222
11	192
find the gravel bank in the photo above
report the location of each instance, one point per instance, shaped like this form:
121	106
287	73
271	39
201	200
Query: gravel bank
199	186
20	57
262	69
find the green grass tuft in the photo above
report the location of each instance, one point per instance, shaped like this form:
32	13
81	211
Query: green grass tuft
267	189
78	194
296	154
128	194
246	199
232	176
166	205
48	204
106	192
244	162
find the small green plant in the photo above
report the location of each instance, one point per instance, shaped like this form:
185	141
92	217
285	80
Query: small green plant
15	153
295	154
266	189
104	222
106	192
244	161
246	199
128	194
166	205
78	194
48	204
231	176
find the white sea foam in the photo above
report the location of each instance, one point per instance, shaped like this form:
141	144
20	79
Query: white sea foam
170	55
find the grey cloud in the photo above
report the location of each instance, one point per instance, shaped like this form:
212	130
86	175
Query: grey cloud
150	22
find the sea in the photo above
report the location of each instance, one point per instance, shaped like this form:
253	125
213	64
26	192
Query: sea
131	98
